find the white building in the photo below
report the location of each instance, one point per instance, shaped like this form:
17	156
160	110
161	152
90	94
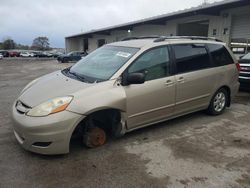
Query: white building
227	20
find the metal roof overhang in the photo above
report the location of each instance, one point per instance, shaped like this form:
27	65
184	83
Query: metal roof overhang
208	9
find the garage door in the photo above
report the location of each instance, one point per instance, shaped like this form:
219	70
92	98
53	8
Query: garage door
241	26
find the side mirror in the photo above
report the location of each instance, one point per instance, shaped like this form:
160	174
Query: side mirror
135	78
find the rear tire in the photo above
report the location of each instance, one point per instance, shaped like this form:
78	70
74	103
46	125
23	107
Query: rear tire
219	102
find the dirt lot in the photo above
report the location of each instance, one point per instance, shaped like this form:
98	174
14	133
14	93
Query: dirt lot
193	151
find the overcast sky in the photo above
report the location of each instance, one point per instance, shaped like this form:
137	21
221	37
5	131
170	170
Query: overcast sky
23	20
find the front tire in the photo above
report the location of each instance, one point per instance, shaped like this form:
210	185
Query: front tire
218	103
64	60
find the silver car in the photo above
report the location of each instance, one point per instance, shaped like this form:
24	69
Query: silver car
124	86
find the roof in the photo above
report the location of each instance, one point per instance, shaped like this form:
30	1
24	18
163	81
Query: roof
210	9
142	42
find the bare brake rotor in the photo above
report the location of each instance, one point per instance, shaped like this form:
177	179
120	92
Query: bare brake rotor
94	137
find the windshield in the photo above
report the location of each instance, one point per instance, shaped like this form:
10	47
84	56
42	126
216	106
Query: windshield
101	64
247	56
70	53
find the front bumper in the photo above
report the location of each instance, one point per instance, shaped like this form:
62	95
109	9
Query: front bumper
244	82
45	135
59	58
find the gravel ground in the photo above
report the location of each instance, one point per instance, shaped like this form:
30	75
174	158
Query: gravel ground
196	150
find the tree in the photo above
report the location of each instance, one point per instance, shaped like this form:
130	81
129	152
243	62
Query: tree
41	43
22	47
8	44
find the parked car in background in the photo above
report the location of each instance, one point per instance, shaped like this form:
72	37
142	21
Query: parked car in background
43	54
26	54
39	54
48	54
72	56
4	53
57	54
1	56
122	87
14	54
244	76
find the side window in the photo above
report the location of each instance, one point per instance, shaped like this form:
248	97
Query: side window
191	57
220	55
154	63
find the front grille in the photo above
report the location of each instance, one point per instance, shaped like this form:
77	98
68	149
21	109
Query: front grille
21	107
244	72
245	69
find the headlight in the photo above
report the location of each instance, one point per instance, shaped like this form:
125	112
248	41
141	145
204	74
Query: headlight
29	85
50	107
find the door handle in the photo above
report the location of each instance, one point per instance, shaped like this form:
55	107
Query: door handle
181	79
169	83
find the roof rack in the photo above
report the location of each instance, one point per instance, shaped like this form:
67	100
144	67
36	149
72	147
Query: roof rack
163	38
142	37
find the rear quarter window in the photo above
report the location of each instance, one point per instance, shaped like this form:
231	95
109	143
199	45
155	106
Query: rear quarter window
220	55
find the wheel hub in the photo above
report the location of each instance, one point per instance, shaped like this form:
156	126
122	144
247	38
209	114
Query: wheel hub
219	102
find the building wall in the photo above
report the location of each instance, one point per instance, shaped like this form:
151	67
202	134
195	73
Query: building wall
222	24
225	21
73	44
149	30
238	12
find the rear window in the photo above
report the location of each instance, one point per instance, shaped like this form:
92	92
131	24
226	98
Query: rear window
191	57
220	55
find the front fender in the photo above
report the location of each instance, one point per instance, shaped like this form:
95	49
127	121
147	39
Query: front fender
104	95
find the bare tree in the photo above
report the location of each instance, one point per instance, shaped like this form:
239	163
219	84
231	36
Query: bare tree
8	44
41	43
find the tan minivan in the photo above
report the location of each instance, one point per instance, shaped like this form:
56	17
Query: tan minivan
124	86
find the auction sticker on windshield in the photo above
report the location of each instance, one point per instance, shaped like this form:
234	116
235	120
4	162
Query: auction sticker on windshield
123	54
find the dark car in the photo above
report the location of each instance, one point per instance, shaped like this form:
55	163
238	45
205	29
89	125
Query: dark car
72	56
244	77
56	54
4	53
40	54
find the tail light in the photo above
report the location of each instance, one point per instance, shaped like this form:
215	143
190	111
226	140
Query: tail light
238	66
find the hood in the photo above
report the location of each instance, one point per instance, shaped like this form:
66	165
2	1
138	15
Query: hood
64	55
244	61
51	86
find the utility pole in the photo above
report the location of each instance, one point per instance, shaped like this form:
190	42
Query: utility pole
205	2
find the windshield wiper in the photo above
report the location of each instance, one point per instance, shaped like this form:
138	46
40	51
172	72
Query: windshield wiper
77	76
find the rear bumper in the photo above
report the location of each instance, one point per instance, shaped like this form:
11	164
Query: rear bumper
235	89
45	135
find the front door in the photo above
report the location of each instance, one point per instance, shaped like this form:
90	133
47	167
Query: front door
153	100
